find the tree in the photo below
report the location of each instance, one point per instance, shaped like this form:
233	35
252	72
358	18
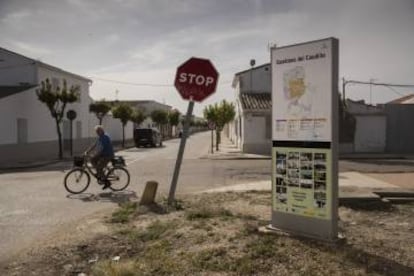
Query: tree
100	108
174	117
124	113
56	99
160	117
220	115
138	116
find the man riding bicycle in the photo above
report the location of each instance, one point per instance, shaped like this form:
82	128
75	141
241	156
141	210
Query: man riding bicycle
102	154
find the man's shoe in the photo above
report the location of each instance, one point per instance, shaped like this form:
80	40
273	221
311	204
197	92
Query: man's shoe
107	185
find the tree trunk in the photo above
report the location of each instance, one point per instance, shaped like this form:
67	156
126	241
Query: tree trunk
123	135
59	132
217	139
100	120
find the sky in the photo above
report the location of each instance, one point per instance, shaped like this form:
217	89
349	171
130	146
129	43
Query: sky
139	42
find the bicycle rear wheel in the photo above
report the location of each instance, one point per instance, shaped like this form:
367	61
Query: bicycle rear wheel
77	181
119	178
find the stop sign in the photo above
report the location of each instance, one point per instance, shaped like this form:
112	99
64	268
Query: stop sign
196	79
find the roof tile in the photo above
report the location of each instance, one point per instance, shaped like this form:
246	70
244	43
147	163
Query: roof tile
256	101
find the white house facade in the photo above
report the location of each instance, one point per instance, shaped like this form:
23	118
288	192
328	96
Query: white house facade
251	129
27	129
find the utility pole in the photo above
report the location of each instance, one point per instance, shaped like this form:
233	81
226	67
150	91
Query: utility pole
371	83
252	63
370	90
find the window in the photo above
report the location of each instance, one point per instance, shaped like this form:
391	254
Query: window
21	131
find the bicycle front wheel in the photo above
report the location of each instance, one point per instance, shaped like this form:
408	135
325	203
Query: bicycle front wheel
77	181
119	178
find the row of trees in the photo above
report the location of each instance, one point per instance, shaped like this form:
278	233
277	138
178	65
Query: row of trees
57	98
220	114
126	113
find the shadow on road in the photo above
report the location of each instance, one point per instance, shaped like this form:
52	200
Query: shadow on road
115	197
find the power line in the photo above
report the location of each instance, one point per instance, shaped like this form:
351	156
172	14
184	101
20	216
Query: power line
379	83
395	91
133	83
388	85
142	84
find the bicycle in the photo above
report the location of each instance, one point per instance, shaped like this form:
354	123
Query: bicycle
77	180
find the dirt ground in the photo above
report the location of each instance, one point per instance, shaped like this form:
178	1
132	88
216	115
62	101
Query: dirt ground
216	234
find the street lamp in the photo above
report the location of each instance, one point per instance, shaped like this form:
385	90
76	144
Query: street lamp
252	63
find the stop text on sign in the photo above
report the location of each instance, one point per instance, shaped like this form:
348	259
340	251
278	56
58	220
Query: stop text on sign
197	79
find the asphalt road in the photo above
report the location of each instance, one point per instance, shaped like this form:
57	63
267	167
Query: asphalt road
33	204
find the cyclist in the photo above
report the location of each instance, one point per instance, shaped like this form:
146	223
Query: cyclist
103	152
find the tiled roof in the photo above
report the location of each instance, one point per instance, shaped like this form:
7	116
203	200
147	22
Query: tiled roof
403	100
256	101
10	90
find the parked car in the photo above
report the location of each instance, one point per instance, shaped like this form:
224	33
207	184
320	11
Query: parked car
147	137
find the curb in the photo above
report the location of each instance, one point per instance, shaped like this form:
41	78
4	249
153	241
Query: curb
34	166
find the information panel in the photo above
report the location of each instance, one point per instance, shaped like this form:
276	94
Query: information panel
302	182
304	155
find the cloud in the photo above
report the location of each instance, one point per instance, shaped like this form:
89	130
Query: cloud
145	40
31	50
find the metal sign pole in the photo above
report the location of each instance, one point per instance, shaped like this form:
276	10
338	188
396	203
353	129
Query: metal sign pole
180	155
71	138
212	141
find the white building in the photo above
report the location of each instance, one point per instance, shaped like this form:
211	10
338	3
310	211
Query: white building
27	130
251	129
148	106
370	128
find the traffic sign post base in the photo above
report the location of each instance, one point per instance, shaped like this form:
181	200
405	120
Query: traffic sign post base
180	155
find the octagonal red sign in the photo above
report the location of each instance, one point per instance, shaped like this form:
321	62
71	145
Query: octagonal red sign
196	79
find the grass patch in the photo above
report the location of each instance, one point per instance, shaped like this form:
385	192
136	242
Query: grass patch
177	204
206	212
215	259
158	260
124	213
218	235
110	268
154	231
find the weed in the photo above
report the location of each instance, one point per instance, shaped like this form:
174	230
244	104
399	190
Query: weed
206	212
202	224
110	268
124	213
158	260
177	204
214	259
155	230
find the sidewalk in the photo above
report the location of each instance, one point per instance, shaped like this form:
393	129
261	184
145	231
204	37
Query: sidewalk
66	162
229	151
352	185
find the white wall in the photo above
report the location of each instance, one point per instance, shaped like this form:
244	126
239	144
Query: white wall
40	124
81	107
256	129
260	78
370	133
113	127
16	69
